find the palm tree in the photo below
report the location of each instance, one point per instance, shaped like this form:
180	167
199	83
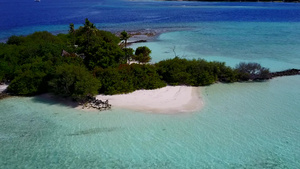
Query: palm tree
124	36
72	32
71	28
89	28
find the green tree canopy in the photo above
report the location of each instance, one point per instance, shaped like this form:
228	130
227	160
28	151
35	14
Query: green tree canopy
31	78
180	71
128	54
74	81
99	47
127	78
142	54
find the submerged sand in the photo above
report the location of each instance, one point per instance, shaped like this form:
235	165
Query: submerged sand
170	99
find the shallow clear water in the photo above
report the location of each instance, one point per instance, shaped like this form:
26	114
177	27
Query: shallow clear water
242	125
274	45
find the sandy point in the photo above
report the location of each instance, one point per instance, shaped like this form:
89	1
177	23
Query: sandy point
170	99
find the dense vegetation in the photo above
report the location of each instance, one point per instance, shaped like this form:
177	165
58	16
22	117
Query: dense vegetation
84	61
127	78
179	71
87	61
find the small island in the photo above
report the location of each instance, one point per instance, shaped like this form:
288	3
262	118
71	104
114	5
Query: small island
88	62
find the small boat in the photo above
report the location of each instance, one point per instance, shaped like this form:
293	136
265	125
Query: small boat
37	0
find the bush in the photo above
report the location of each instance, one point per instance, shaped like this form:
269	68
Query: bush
252	71
179	71
28	83
142	54
74	81
127	78
31	78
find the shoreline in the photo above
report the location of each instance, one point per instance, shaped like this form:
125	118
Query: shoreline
166	100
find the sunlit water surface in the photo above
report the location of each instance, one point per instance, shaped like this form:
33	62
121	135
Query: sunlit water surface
243	125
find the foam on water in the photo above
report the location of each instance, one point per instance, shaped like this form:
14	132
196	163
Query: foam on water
243	125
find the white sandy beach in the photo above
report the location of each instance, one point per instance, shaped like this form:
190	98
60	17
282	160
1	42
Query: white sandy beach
170	99
3	88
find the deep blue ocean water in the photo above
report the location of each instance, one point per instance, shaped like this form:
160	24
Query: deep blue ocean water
23	17
242	125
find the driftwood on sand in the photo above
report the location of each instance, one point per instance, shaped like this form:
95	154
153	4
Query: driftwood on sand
92	102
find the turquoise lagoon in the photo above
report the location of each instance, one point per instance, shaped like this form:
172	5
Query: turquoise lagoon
274	45
242	125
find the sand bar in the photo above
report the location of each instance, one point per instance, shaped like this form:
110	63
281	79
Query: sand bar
170	99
